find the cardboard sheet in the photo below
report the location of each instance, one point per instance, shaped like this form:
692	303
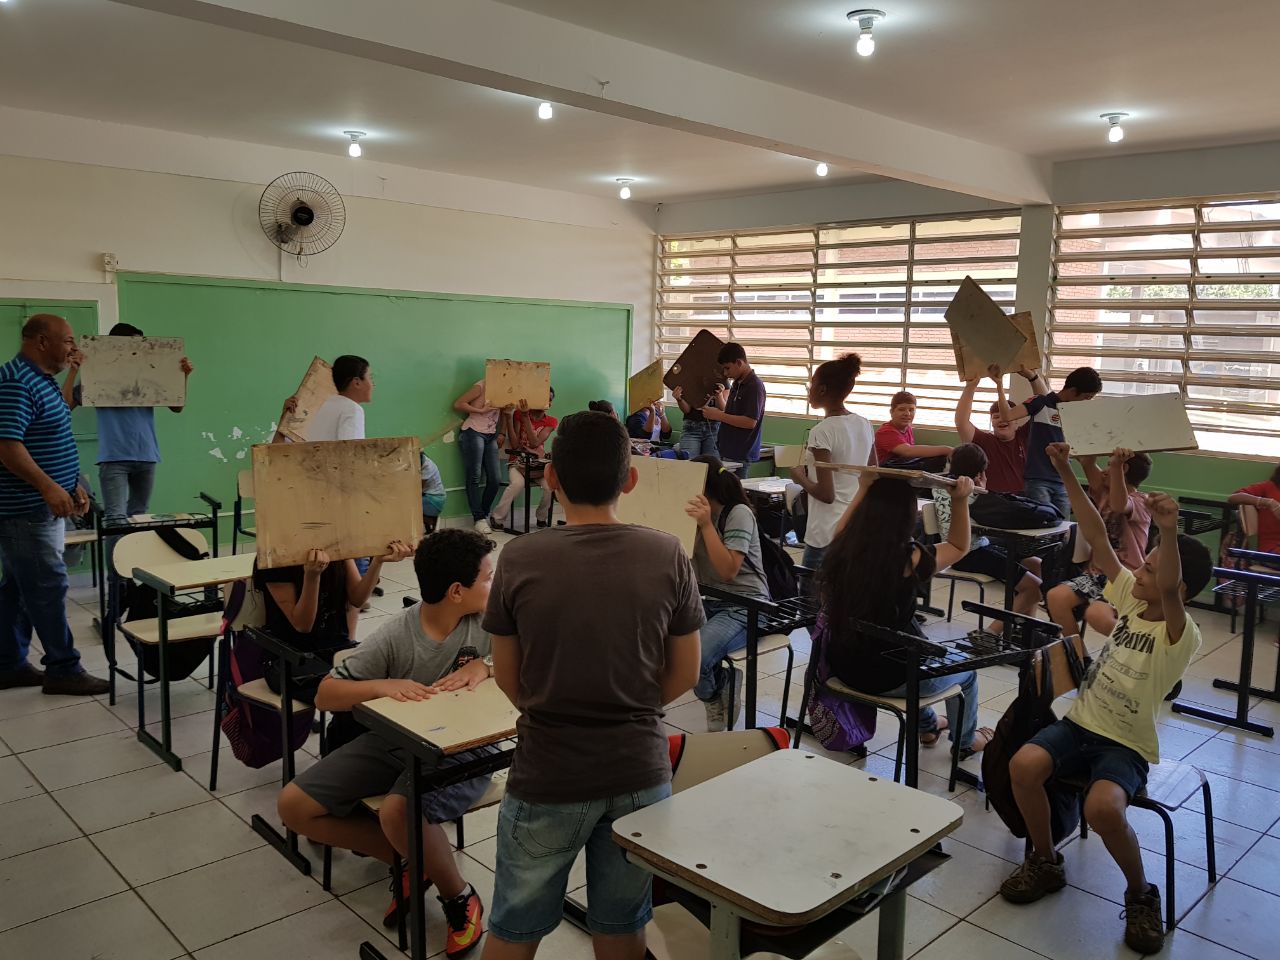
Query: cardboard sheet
510	381
132	372
976	321
316	387
644	388
697	370
970	365
659	499
350	498
1146	423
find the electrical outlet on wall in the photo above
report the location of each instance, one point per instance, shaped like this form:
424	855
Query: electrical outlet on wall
110	263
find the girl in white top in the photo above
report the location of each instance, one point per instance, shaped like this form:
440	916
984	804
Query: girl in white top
842	437
478	444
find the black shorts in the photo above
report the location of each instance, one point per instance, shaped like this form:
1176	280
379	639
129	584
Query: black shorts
989	561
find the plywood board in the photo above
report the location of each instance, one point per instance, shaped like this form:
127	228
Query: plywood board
976	320
349	498
317	386
697	370
969	365
659	499
644	388
789	454
132	372
1155	421
507	382
917	478
455	721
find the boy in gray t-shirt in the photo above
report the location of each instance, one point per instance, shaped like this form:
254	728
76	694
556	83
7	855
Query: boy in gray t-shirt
431	647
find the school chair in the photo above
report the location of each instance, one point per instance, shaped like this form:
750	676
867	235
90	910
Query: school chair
771	643
932	530
244	491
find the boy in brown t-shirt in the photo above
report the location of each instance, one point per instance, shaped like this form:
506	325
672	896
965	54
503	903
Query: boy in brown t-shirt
595	627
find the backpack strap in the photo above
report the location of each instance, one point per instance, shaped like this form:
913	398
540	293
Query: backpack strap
746	557
179	544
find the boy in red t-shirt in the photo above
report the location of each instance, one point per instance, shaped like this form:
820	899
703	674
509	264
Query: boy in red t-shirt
895	441
1265	496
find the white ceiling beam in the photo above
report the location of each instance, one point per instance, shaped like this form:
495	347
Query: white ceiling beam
504	48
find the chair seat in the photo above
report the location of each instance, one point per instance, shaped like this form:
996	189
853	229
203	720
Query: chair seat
953	574
895	703
259	691
340	655
203	626
494	794
76	537
774	641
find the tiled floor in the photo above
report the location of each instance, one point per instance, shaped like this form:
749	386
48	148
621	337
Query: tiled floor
105	853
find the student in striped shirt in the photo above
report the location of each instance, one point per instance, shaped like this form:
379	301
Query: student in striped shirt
39	486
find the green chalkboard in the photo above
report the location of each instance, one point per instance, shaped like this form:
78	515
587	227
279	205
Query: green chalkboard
251	343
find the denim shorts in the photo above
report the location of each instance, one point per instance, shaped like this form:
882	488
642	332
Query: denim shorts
1076	751
537	846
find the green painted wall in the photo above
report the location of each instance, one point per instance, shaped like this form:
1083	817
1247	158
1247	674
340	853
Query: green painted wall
251	343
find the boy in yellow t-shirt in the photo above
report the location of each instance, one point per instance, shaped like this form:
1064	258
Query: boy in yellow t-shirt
1110	732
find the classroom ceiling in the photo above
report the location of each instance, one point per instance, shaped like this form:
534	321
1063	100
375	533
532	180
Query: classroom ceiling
106	61
1028	75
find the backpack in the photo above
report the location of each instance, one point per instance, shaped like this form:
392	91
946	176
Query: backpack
779	571
1012	511
1031	712
253	730
838	724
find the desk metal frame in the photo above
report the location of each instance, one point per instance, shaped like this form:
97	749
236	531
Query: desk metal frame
1019	545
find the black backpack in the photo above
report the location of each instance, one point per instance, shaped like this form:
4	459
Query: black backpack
1012	511
779	569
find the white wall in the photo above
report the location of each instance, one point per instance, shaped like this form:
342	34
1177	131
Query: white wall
59	218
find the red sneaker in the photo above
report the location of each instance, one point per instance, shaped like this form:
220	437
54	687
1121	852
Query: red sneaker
392	917
462	916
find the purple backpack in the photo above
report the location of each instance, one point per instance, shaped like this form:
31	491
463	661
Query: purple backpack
837	723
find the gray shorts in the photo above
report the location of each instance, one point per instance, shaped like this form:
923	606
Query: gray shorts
368	766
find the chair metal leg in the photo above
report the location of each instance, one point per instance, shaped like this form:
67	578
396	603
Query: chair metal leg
402	922
1084	824
1210	849
1170	903
327	872
804	705
955	752
982	598
951	600
221	651
786	687
461	837
728	723
902	746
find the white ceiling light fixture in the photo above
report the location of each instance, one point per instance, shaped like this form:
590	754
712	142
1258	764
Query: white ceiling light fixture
821	170
1115	132
625	184
545	111
353	149
866	20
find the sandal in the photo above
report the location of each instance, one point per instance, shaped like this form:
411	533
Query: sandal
981	738
931	738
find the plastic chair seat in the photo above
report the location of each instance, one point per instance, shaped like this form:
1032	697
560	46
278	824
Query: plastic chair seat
770	644
891	703
953	574
259	691
202	626
494	794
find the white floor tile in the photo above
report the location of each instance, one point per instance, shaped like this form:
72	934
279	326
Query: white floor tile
128	797
925	923
964	940
983	829
1255	808
965	882
85	719
84	760
1260	866
23	701
115	928
186	697
1238	762
234	776
1238	917
1091	869
33	823
1230	841
327	932
1184	945
173	842
53	879
1069	924
16	781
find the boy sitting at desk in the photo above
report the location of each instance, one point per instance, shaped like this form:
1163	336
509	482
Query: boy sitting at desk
1109	735
434	646
595	627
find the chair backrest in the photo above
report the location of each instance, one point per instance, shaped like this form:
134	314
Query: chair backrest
253	609
340	655
1082	551
929	519
146	549
706	755
1248	516
1059	665
244	484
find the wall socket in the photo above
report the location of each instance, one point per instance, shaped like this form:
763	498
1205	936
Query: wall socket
110	263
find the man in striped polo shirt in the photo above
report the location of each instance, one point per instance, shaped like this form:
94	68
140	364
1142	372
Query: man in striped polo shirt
39	470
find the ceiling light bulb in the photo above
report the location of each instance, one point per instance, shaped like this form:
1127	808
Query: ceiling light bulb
866	45
625	184
866	20
354	150
821	170
545	111
1115	132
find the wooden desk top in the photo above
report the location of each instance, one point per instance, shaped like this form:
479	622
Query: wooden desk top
173	578
1061	529
770	485
454	722
826	832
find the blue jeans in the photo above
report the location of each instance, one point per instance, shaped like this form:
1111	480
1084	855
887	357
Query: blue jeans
126	487
33	593
813	557
1049	491
725	630
699	438
537	844
480	463
967	724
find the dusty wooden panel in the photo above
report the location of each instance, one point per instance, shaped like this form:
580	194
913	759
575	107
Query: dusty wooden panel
317	386
659	499
790	454
350	498
697	369
917	478
455	721
507	382
969	365
976	321
1155	421
644	388
132	372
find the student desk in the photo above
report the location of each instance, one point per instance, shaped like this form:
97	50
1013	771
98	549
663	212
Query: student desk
168	581
1019	545
428	731
1258	588
833	833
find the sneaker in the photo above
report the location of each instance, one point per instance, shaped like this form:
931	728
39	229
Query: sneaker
462	919
25	676
715	713
76	685
482	527
1035	878
392	917
1143	926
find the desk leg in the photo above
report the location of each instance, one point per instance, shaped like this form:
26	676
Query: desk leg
911	736
417	913
749	677
891	943
726	929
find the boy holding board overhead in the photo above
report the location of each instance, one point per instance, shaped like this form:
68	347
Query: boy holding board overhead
739	410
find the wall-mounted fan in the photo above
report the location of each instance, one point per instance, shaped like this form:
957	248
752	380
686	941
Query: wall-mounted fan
302	213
